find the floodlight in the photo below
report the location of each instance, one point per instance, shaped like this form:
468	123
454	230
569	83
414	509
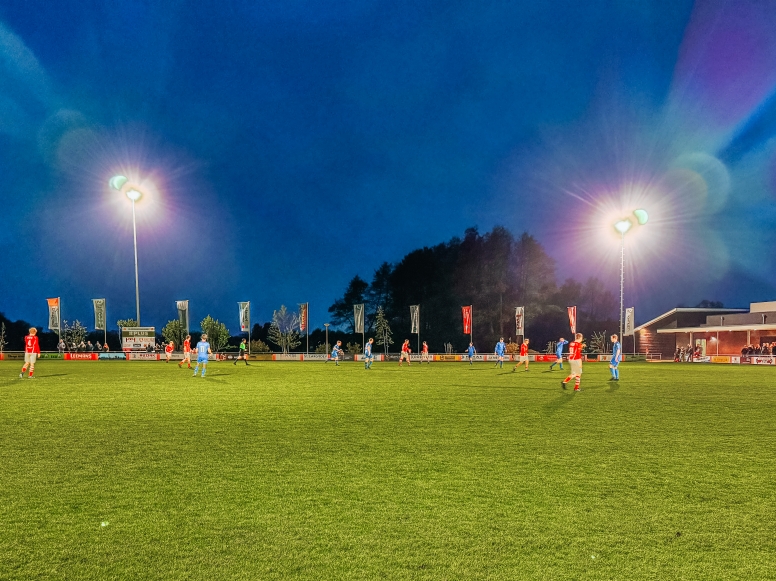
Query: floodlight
134	195
623	226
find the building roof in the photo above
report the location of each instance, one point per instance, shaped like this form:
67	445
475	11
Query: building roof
678	310
724	328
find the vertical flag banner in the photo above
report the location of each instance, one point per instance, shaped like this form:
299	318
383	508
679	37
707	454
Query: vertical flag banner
358	318
54	314
573	319
245	316
303	309
415	318
628	322
519	323
99	314
467	320
183	314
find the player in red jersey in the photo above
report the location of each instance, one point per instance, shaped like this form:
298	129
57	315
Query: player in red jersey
523	356
31	352
186	352
405	353
424	356
575	361
168	349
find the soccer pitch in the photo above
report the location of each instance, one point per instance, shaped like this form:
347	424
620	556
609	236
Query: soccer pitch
132	470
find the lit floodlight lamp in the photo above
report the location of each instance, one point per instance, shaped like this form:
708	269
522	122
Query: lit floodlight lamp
623	226
641	216
117	182
134	194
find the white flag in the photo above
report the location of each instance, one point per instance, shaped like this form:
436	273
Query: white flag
54	314
358	318
245	316
519	321
629	321
99	314
415	318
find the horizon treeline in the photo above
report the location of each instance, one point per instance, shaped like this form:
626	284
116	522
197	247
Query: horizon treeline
494	272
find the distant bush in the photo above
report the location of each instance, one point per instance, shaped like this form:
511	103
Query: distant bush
259	346
353	348
322	348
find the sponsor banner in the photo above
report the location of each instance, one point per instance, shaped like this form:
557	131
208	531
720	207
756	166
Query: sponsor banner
628	322
303	322
142	356
735	359
608	357
54	314
318	356
183	314
81	356
572	319
115	355
287	356
245	316
704	359
720	359
414	318
13	355
761	360
546	358
49	356
476	357
360	357
448	357
99	314
519	325
137	338
466	312
260	357
358	318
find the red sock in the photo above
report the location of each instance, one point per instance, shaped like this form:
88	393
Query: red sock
567	379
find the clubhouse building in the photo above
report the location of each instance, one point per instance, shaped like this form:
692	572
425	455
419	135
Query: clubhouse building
714	331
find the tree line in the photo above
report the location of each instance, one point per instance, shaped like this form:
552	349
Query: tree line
495	272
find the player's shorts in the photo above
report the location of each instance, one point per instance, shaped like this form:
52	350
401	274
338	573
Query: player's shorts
30	358
614	363
201	359
576	366
241	354
368	356
187	355
522	358
404	355
559	358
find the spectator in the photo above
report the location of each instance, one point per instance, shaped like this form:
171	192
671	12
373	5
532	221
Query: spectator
61	346
105	347
89	347
97	346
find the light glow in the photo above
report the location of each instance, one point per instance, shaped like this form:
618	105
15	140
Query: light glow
623	226
134	194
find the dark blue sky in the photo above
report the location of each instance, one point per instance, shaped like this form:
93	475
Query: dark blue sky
290	145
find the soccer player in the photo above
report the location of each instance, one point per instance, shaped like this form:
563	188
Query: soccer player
203	350
559	353
501	348
31	352
405	352
575	362
186	352
336	353
471	351
523	358
614	363
168	349
424	356
242	355
368	356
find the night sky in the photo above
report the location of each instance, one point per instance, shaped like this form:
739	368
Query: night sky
289	145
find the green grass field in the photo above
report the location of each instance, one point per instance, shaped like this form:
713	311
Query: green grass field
132	470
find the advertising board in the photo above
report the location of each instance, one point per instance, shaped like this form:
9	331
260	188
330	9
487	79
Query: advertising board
81	356
137	338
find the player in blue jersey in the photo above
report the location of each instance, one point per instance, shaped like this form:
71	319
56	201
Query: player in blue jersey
336	353
368	356
614	363
501	349
559	353
470	353
203	350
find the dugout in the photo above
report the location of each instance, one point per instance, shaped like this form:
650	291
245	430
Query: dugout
715	331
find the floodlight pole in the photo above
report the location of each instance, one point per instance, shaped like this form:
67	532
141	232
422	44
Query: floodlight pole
327	337
622	283
137	284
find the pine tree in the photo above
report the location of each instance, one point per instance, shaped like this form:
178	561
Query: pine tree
383	330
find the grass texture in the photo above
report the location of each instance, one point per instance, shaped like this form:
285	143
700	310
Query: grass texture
137	470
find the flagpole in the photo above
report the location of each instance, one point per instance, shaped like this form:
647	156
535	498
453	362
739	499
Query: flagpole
105	324
307	326
471	324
